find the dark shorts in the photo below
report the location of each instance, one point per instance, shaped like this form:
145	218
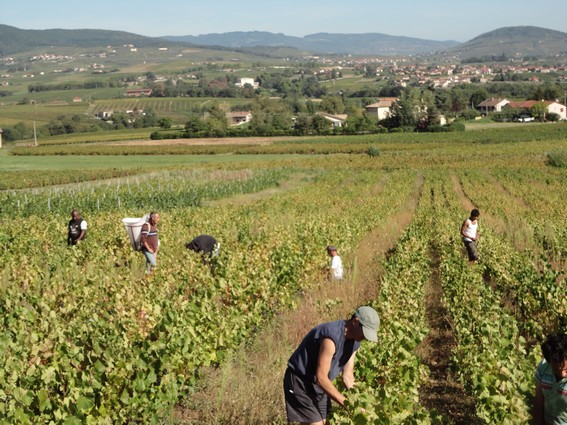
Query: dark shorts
472	251
304	401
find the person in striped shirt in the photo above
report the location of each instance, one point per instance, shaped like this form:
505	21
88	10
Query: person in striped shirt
150	241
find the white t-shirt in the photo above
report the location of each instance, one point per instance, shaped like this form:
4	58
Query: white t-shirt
470	230
336	267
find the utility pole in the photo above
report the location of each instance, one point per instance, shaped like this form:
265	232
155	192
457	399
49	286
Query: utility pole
34	134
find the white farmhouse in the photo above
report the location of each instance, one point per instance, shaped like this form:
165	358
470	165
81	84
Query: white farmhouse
381	109
243	81
492	105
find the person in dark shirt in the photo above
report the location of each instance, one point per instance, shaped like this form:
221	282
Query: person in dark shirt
326	351
204	244
76	228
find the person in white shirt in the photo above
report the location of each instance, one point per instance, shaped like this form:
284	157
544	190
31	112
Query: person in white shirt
336	267
469	232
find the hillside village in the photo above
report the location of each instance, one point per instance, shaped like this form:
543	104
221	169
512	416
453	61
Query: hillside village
402	70
339	88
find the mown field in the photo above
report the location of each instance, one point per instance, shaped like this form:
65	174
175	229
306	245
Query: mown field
87	337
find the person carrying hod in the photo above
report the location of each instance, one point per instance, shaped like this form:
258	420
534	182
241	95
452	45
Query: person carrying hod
150	241
326	351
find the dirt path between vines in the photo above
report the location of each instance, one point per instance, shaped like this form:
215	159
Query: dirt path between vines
248	390
442	391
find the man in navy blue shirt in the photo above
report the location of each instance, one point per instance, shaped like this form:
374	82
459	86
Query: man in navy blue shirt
326	351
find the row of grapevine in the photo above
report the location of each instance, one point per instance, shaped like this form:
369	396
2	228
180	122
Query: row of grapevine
531	205
529	278
88	339
494	361
390	372
162	190
495	358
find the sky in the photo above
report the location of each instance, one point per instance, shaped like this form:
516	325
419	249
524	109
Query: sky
431	20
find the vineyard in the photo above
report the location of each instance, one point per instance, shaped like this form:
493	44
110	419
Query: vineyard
88	338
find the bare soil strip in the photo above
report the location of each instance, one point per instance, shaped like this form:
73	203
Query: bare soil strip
248	390
442	392
235	141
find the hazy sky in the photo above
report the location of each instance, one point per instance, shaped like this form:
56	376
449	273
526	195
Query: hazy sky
432	20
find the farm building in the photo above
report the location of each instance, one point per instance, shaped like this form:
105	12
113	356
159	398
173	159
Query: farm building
239	117
551	106
381	109
138	92
337	121
492	105
243	81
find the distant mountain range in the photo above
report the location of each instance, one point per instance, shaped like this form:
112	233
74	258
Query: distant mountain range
323	43
512	42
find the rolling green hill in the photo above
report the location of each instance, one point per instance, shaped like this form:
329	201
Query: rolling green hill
515	42
15	40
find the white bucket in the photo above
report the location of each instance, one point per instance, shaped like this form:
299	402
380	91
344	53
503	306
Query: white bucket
133	228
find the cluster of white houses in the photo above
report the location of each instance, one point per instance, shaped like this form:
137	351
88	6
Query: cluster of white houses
382	109
497	105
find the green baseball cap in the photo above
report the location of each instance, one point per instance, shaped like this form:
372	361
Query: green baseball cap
370	321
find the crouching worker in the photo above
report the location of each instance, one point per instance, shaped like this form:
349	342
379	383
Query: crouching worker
206	245
551	382
326	351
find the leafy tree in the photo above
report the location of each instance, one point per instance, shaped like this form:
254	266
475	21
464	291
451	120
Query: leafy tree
539	111
547	92
312	88
302	125
361	124
21	131
370	71
165	123
478	96
412	107
430	119
311	107
269	116
8	135
56	127
332	104
217	121
321	125
195	127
